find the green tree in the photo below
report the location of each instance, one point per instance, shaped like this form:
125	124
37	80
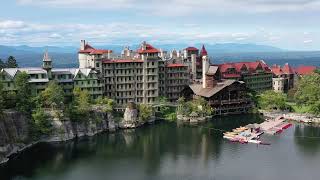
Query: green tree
24	96
52	96
163	105
183	107
145	112
41	122
80	106
2	64
272	100
106	103
200	106
11	62
308	92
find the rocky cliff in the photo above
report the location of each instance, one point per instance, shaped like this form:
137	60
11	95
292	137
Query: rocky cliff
14	133
15	130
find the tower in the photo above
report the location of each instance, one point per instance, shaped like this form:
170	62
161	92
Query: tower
47	64
205	68
203	51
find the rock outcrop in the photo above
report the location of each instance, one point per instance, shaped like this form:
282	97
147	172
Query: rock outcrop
14	133
130	117
15	129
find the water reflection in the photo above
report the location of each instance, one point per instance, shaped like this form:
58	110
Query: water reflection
307	139
141	153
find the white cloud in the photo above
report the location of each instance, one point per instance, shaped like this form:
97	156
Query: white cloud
30	33
183	7
307	41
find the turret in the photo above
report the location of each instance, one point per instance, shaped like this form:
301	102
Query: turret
205	68
47	64
203	51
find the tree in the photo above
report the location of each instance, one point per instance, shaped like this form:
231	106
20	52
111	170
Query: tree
308	92
11	62
41	122
24	97
106	103
163	105
52	96
145	112
183	108
80	106
201	106
2	64
272	100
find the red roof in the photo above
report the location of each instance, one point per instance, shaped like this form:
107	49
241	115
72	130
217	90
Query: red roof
286	69
90	50
149	49
192	49
276	70
251	67
100	51
175	65
121	60
203	51
305	70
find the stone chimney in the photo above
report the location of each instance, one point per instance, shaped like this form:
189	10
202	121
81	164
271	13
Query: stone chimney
205	68
82	45
194	66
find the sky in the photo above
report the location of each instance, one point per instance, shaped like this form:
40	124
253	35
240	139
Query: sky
287	24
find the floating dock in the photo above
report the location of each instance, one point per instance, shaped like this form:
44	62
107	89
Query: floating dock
251	133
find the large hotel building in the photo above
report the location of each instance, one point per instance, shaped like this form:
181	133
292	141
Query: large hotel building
140	76
144	75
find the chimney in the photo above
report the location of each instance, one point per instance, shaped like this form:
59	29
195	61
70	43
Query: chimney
205	68
82	45
109	54
194	66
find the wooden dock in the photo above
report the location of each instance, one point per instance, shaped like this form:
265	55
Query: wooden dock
251	133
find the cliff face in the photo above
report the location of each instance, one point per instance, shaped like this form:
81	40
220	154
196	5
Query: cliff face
15	134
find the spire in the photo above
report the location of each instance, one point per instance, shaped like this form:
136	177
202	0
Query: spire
46	56
203	51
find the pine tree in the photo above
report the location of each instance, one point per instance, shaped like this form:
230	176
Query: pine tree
12	62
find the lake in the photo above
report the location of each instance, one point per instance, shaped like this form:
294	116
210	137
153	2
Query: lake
168	151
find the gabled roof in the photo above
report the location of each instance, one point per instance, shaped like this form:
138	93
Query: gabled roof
212	70
251	66
148	49
84	71
286	69
90	50
209	92
10	71
276	69
305	70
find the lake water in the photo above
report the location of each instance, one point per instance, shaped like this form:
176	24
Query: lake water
168	151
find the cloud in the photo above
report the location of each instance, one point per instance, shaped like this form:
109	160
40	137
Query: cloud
38	34
182	7
307	41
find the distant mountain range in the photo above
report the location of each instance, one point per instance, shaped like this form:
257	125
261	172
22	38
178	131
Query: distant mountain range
66	56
